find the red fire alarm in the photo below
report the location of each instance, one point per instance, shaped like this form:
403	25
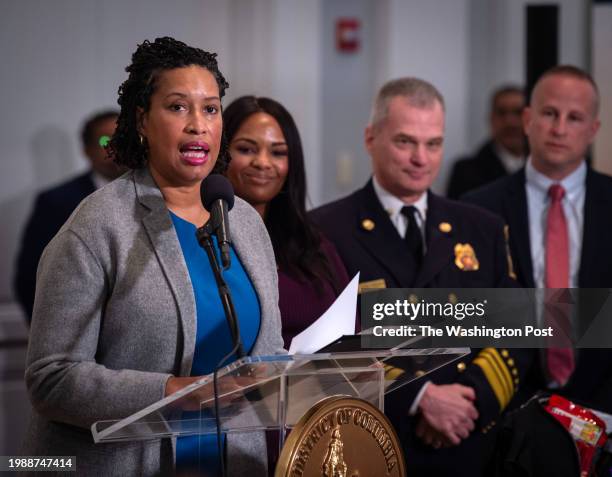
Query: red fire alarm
347	35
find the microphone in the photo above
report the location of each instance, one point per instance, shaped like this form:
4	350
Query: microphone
217	197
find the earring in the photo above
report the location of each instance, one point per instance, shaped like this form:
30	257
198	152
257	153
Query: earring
141	139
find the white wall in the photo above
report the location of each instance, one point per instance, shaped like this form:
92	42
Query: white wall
430	40
348	86
498	49
296	68
602	72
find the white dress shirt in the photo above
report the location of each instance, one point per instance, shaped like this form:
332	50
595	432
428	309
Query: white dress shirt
394	206
510	162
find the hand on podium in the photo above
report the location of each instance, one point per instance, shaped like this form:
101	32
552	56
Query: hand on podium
448	414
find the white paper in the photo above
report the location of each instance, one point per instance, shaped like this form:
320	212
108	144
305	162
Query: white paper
337	321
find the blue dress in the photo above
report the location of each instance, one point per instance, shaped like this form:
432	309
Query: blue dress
213	339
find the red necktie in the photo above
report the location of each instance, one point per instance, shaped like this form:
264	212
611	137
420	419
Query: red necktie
560	358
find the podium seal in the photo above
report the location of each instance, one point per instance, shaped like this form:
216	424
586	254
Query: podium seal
342	437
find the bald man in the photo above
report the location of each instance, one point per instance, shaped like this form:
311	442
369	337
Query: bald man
557	199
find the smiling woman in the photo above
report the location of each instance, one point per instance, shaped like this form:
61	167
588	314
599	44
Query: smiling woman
267	170
126	309
259	165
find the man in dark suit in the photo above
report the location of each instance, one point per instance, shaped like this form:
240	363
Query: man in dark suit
399	234
501	155
558	210
53	206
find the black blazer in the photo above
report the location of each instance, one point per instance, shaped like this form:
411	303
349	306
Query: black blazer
591	381
51	209
473	172
380	253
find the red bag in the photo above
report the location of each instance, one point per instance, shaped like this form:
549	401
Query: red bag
588	430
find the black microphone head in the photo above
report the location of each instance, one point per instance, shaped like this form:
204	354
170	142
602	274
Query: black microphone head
215	187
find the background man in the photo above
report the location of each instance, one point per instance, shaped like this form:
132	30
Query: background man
502	154
399	234
53	207
558	212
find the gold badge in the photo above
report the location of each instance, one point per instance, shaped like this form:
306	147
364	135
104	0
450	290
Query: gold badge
372	285
445	227
368	224
342	437
465	258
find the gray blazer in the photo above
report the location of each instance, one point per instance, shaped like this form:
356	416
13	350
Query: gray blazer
114	317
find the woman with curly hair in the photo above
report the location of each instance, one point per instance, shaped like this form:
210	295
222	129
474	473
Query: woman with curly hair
266	169
127	310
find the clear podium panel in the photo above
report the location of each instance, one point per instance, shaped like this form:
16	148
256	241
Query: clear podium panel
273	392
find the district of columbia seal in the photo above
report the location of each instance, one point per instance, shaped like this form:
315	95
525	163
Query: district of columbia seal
342	437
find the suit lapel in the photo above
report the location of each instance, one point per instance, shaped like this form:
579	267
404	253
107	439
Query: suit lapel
596	207
159	228
383	242
242	243
439	244
515	211
490	162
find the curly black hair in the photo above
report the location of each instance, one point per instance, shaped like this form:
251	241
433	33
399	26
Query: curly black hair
148	61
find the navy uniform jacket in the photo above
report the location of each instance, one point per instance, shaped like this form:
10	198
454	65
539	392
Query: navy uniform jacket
380	253
470	173
51	209
591	382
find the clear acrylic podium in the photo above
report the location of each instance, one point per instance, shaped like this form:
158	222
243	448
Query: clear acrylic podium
273	392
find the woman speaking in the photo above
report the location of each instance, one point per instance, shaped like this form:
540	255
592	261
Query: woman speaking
126	309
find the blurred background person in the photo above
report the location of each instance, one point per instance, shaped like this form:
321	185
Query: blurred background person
267	170
127	311
502	154
53	206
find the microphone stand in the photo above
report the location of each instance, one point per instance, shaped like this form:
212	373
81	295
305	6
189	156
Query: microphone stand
204	236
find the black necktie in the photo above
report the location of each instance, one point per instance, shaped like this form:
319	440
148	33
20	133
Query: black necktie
413	237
